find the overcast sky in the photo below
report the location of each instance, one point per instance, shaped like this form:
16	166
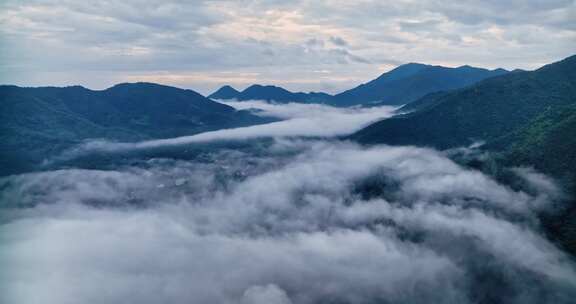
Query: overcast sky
301	45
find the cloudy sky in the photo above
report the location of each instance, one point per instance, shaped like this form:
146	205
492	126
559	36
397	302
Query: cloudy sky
301	45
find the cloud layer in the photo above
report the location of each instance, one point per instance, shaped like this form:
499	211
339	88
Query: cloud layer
303	45
298	222
298	120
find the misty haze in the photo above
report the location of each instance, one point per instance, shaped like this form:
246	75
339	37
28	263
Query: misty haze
258	152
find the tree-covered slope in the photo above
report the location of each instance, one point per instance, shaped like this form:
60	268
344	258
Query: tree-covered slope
37	122
548	143
481	112
525	118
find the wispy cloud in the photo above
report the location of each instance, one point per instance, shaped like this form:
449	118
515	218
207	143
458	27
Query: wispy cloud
299	120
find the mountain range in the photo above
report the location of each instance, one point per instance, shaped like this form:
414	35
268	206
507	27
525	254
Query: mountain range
484	111
269	93
401	85
516	113
36	122
411	81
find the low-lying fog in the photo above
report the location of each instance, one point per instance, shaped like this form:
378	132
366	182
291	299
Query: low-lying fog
289	220
298	120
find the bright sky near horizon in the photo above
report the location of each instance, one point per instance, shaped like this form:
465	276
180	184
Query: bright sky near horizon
304	45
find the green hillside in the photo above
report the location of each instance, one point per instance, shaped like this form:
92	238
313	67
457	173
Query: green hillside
38	122
482	112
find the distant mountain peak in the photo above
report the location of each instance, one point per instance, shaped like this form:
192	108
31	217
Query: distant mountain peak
133	84
267	87
500	70
411	81
468	67
270	93
402	71
138	85
411	66
414	64
225	92
264	87
79	87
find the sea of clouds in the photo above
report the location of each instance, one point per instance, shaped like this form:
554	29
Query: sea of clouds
297	220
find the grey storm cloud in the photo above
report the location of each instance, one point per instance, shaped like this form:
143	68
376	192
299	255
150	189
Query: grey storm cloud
338	41
314	42
98	43
510	12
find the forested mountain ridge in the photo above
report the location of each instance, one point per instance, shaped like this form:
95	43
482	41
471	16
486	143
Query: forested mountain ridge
411	81
484	111
524	119
36	122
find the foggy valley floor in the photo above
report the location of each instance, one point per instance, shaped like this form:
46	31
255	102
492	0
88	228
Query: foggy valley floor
279	213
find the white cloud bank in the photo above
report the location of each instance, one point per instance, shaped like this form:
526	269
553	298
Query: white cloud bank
333	222
299	120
